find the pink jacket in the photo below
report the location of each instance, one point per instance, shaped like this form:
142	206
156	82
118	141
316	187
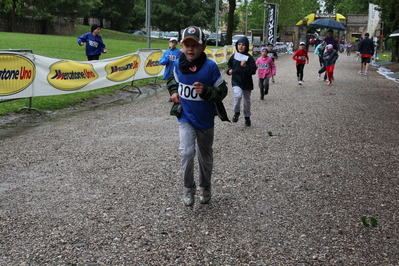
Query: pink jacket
266	67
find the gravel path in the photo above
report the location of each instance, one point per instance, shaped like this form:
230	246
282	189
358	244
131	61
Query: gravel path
102	186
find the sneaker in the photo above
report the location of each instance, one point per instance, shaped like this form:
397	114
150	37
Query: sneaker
247	121
235	117
318	75
188	195
328	83
205	194
273	79
360	72
365	73
300	83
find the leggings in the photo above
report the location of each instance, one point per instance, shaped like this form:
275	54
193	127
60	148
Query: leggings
330	72
299	71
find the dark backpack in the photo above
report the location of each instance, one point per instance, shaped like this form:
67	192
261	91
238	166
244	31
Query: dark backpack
322	48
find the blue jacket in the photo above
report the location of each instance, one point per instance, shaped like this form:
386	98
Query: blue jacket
242	76
198	110
167	60
333	56
94	44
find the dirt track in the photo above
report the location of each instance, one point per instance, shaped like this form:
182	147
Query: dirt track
102	186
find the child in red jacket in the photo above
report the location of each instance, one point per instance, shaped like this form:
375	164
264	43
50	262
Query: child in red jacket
301	58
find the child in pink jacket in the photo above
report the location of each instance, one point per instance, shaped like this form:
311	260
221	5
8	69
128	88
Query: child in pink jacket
266	69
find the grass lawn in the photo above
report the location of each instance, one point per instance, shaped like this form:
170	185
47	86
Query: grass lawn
66	47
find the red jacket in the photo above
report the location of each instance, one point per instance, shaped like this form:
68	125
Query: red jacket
301	56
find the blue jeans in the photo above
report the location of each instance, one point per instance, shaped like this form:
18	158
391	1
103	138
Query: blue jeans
188	135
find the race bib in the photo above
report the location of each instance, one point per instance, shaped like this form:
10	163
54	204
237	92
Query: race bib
188	92
172	57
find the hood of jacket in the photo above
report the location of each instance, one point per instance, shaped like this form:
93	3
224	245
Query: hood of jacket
245	41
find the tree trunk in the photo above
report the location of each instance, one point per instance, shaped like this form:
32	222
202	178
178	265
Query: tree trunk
230	22
13	10
395	50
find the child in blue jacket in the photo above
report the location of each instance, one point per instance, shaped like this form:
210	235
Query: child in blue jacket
94	43
169	57
330	57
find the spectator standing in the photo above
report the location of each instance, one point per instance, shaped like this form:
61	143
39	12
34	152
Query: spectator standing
241	67
266	69
366	51
94	43
301	57
197	89
169	57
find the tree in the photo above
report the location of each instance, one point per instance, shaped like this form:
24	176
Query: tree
123	14
289	12
230	21
174	15
345	7
389	15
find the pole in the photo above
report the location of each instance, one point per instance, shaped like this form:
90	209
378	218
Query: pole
382	36
217	22
264	20
148	22
246	19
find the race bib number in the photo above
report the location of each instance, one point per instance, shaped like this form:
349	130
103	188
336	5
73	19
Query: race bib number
188	92
172	57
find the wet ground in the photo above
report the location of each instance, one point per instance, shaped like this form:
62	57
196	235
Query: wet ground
102	186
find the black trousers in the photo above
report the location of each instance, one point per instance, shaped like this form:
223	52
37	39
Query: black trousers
93	57
299	71
323	70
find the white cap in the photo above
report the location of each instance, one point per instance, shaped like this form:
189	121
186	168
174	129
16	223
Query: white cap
302	43
173	39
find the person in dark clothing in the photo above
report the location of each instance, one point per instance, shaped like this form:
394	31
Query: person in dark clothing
329	39
241	67
366	51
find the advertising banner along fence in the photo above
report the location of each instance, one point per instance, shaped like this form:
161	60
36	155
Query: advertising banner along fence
24	74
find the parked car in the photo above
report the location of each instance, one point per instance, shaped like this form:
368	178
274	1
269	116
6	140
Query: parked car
140	32
236	37
157	34
170	34
212	39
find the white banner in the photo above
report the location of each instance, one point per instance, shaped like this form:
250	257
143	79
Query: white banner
25	74
374	19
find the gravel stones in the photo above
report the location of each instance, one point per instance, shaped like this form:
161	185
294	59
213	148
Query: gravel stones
102	185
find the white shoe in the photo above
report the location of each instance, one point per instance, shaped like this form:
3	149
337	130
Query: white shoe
360	72
318	75
300	82
365	73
